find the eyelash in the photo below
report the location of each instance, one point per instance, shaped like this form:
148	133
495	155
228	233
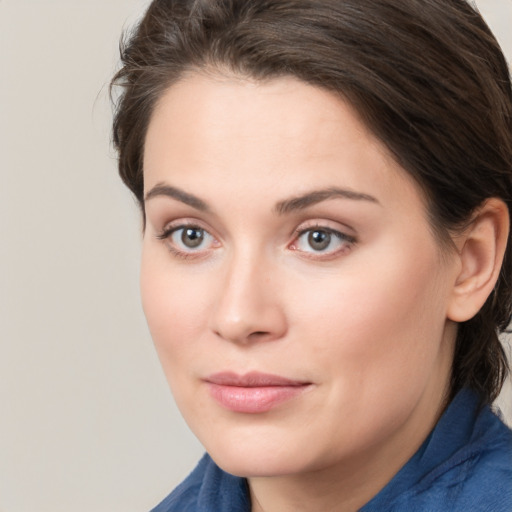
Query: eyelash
346	240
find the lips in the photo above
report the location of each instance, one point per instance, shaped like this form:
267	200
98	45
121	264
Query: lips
253	392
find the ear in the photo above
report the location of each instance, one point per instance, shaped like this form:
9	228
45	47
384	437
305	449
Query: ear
481	250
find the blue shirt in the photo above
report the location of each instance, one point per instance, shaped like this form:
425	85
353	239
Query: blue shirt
465	465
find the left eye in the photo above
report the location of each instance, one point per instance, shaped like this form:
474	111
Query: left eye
322	240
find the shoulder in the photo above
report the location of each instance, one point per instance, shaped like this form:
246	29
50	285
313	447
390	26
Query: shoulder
486	467
465	464
207	489
183	498
476	477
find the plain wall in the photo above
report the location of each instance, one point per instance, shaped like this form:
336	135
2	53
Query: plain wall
87	423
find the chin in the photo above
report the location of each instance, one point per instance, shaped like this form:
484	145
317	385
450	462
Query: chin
250	464
261	452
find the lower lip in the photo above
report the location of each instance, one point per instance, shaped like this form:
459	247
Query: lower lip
254	400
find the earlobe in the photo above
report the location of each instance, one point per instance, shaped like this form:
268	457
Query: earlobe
481	251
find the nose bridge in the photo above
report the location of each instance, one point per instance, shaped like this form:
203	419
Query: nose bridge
247	304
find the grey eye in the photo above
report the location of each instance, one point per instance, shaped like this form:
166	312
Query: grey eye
319	240
322	241
192	237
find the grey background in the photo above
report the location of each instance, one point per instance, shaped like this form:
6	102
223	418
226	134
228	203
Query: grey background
87	423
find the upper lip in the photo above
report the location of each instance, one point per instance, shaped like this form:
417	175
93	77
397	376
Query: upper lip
252	380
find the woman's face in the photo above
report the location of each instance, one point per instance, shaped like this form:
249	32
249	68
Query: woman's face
290	279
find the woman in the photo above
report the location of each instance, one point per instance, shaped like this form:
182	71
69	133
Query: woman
325	187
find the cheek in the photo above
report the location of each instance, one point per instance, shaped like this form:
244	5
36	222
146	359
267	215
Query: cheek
377	337
380	317
172	306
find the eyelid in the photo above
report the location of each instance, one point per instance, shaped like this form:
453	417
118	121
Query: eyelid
326	225
182	222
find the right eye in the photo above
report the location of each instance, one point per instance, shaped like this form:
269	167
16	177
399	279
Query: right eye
187	240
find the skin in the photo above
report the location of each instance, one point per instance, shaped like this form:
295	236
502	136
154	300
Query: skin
365	322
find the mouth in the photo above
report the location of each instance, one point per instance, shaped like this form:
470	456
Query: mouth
254	392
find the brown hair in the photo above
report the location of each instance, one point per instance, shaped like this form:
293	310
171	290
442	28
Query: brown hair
426	76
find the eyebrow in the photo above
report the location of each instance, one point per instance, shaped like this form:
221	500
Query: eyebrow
317	196
282	207
161	189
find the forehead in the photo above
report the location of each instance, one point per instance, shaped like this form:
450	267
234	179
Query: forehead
268	136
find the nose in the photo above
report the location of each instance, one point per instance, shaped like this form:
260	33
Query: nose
248	307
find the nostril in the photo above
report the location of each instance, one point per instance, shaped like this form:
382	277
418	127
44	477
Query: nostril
256	335
259	333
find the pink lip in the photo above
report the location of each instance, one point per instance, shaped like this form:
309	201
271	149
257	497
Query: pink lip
253	392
